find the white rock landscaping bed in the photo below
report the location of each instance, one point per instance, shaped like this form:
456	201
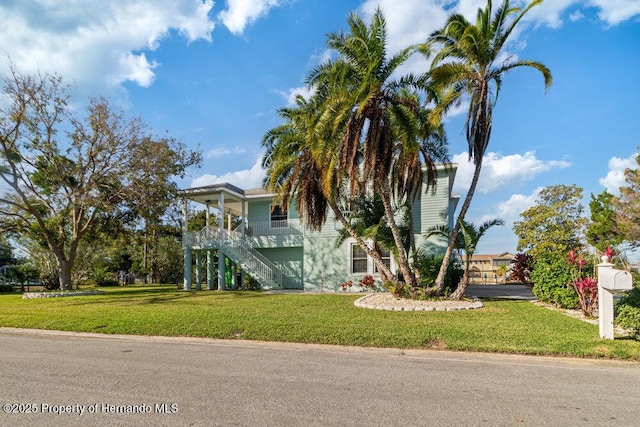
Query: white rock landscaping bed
386	301
31	295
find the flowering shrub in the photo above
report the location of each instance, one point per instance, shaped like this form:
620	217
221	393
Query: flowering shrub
587	290
610	253
346	285
367	282
586	287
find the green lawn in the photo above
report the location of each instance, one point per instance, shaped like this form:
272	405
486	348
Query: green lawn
502	326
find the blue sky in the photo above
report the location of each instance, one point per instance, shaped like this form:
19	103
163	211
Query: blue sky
213	75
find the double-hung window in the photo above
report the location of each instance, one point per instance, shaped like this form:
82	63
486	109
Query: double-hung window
359	260
362	264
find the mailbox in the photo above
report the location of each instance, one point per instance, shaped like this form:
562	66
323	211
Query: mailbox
615	280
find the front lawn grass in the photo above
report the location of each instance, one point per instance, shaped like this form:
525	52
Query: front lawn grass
502	326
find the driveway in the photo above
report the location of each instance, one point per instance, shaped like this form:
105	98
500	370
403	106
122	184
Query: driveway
100	380
519	292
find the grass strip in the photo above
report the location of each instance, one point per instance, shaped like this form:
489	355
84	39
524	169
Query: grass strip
502	326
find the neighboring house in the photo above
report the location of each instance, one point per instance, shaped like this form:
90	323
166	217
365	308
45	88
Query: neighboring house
484	268
273	246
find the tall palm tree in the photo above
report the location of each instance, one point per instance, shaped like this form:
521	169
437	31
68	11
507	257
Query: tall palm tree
466	241
378	122
470	63
298	162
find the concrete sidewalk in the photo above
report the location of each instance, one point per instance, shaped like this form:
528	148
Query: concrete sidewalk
516	292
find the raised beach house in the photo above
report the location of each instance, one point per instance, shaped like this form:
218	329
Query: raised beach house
272	245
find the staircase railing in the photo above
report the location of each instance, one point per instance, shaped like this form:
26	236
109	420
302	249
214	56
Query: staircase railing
253	261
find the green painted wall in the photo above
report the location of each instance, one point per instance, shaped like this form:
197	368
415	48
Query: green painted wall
325	266
292	258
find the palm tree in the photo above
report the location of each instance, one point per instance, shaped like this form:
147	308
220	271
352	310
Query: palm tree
299	163
378	122
466	241
470	63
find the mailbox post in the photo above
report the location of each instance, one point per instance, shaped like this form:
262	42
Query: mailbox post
610	281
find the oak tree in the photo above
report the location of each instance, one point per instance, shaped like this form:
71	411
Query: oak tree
65	171
553	226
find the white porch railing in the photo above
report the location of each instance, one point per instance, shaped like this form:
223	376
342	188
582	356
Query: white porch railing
208	236
275	228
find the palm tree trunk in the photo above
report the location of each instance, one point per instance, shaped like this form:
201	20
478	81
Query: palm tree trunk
403	260
439	283
412	245
462	286
464	282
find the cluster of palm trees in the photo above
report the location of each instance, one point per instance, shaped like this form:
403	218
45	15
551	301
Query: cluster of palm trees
368	130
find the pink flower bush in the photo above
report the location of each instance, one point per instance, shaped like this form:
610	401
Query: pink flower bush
367	282
587	290
585	286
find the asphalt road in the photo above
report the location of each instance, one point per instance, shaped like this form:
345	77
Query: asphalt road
203	382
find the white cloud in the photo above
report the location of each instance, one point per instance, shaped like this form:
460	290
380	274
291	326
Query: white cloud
412	21
241	13
223	151
615	178
322	57
247	178
408	21
614	12
510	209
549	13
291	95
97	45
500	171
576	16
218	152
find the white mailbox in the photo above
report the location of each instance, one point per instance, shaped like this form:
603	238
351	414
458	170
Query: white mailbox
615	280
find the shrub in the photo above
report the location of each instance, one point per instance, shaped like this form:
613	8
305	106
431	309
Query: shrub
586	287
6	289
367	283
102	277
429	266
627	312
50	281
521	269
587	290
551	276
106	281
250	283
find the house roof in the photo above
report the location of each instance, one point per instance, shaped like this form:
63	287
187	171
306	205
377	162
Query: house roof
233	196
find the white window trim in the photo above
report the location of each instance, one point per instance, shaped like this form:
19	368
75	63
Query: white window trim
371	268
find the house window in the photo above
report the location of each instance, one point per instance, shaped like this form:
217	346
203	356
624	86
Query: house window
278	217
358	259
